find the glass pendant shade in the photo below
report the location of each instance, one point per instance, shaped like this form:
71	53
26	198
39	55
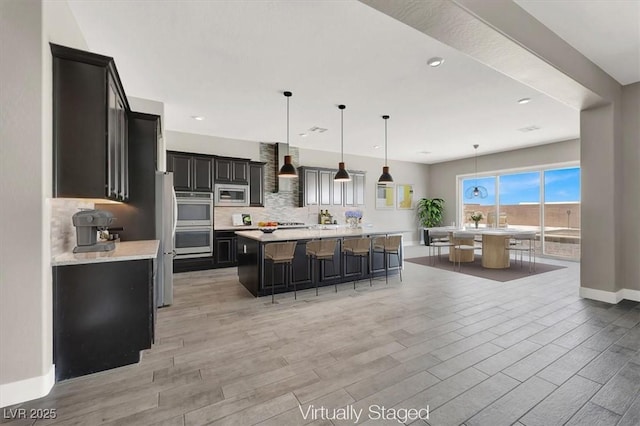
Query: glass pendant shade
476	191
341	175
385	177
287	170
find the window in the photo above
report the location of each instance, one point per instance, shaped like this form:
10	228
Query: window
546	200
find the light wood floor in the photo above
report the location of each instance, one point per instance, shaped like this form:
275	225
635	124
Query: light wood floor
474	351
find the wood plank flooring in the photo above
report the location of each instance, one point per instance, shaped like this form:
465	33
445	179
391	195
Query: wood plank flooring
476	352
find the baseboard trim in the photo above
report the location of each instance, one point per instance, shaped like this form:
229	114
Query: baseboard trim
27	389
610	296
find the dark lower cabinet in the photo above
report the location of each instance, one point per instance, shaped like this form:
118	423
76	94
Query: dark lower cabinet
224	249
103	315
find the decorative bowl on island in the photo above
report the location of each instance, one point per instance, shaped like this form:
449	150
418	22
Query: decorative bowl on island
267	227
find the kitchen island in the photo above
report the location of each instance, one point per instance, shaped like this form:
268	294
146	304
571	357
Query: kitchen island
255	274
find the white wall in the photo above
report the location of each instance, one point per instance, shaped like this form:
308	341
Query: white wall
631	185
27	26
442	176
21	252
203	144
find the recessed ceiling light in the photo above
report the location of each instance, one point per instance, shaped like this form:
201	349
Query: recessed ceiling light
376	147
435	61
197	117
524	101
424	152
304	135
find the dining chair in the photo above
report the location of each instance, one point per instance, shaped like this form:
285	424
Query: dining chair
522	242
459	246
438	240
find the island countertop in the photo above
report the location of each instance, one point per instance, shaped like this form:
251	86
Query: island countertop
311	234
124	251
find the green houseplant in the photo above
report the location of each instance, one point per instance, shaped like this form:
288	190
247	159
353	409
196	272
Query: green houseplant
430	213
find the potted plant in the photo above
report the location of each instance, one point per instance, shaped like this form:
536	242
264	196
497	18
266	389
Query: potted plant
430	213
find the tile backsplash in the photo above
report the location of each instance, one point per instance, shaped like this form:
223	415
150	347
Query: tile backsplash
63	233
279	206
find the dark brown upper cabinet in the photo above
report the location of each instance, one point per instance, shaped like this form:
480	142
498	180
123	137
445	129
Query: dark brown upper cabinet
228	170
317	188
90	130
190	172
256	184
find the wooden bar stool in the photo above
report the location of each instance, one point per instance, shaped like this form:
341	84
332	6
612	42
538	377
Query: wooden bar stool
320	251
388	246
280	253
358	247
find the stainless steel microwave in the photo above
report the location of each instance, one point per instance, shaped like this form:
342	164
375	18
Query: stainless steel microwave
231	195
194	209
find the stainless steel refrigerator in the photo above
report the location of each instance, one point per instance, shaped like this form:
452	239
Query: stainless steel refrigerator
166	219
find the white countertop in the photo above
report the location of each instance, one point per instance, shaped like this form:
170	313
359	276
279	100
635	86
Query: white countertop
253	227
128	250
310	234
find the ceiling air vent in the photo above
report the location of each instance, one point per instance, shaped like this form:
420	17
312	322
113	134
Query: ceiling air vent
317	129
529	129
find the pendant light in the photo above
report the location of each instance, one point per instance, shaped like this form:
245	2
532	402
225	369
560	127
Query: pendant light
385	176
287	170
476	191
342	175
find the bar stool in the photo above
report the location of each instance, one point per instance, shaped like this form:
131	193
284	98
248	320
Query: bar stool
358	247
388	246
321	251
280	253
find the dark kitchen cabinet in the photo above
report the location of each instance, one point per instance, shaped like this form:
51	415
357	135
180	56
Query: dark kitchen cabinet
325	187
228	170
225	248
182	169
103	315
90	129
256	184
190	172
133	217
308	187
354	190
317	187
202	173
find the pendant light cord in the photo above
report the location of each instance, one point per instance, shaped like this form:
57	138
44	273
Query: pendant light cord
385	142
342	135
287	125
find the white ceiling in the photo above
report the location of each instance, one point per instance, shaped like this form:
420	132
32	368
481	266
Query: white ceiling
605	31
229	61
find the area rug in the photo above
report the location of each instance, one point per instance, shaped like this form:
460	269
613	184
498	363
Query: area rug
513	273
